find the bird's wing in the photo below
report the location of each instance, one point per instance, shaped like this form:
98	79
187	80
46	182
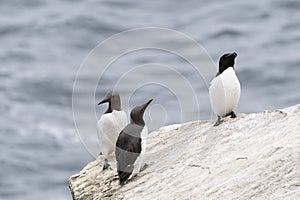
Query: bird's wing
128	148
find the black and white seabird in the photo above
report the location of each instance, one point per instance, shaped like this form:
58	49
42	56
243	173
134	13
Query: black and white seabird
131	144
110	125
225	89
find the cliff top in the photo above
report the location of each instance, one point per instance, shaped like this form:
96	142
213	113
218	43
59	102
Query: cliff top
254	156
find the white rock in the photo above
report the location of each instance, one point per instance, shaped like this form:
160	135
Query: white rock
254	156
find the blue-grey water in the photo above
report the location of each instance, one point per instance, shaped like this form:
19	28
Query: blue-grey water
43	43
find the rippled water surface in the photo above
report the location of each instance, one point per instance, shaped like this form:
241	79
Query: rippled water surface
43	43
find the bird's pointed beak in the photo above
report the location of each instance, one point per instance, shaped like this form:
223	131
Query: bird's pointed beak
234	54
103	101
146	104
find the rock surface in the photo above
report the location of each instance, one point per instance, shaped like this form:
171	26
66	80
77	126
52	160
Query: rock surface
254	156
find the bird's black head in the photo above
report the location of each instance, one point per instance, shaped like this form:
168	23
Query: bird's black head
226	61
114	101
137	113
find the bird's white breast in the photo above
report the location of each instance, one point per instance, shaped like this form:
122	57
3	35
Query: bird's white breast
144	135
108	129
138	164
224	92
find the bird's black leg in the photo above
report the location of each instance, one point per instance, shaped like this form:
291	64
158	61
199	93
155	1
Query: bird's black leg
232	115
144	167
219	121
122	183
106	164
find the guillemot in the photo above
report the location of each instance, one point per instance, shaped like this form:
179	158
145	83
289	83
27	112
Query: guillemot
131	144
110	125
225	89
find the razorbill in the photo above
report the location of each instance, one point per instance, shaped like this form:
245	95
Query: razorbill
225	89
131	143
110	125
